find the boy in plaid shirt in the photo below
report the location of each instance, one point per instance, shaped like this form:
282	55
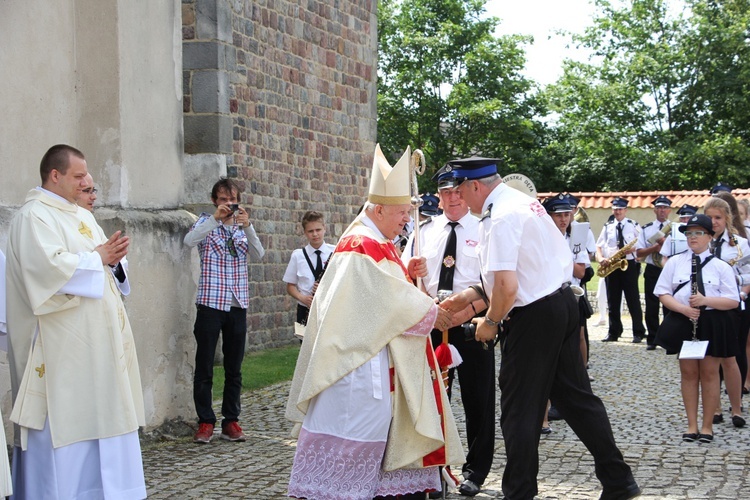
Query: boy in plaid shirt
224	240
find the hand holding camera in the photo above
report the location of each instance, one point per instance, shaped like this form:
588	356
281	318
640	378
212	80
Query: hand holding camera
232	212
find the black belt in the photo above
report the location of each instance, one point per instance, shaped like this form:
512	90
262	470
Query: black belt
546	297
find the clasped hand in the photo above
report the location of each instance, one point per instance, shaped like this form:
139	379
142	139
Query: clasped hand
114	249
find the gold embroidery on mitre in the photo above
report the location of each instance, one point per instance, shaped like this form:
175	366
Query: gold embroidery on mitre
40	370
84	230
449	261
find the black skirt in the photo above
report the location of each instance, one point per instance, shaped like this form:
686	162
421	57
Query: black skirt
718	327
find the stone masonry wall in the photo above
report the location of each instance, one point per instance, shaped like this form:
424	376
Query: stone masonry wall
285	90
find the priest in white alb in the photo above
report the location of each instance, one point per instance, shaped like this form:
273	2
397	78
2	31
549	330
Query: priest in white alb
74	372
375	418
5	481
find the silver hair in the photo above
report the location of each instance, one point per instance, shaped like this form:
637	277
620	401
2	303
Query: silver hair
489	181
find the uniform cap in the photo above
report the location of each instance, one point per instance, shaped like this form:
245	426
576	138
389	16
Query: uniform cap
720	187
390	185
662	201
557	204
429	205
687	210
619	202
445	178
473	168
699	220
574	202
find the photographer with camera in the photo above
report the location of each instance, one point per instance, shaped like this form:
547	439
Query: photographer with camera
448	242
224	241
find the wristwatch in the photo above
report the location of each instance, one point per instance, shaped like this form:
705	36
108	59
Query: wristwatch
490	322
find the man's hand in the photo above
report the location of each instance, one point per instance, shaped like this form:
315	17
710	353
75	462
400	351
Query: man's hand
443	320
114	249
417	267
223	212
241	217
459	301
484	332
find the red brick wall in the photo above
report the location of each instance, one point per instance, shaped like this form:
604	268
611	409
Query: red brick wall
301	98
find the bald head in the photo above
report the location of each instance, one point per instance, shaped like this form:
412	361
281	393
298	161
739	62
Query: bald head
88	194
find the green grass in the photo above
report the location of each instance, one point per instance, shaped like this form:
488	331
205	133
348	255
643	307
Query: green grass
261	369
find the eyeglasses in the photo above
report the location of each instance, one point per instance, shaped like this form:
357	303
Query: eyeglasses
90	190
692	234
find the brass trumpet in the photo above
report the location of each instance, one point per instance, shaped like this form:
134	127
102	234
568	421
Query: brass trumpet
617	261
662	233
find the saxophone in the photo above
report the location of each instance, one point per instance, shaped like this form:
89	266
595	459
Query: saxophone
617	261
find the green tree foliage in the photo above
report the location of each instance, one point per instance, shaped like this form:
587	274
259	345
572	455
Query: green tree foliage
447	86
663	104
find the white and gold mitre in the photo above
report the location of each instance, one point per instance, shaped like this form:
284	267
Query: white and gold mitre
390	185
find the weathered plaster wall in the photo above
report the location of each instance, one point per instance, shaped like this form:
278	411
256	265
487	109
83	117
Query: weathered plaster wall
106	77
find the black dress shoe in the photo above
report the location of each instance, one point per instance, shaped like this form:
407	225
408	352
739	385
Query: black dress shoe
651	347
630	491
637	340
718	418
610	338
705	438
553	414
469	488
738	421
690	437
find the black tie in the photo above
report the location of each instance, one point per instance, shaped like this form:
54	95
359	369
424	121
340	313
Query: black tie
661	225
717	247
318	266
449	260
699	275
620	240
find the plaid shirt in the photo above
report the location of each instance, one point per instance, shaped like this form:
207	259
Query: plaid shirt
223	253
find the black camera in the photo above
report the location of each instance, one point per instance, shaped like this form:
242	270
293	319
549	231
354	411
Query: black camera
470	330
234	207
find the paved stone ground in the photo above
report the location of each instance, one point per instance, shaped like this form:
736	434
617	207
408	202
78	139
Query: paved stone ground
640	389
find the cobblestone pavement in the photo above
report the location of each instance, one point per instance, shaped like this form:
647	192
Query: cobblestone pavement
640	389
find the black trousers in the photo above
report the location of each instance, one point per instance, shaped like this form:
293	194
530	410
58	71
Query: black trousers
541	360
302	314
742	339
233	327
476	377
617	283
650	277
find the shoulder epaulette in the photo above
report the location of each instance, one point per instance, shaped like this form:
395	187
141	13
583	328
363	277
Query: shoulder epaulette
487	212
648	225
425	222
